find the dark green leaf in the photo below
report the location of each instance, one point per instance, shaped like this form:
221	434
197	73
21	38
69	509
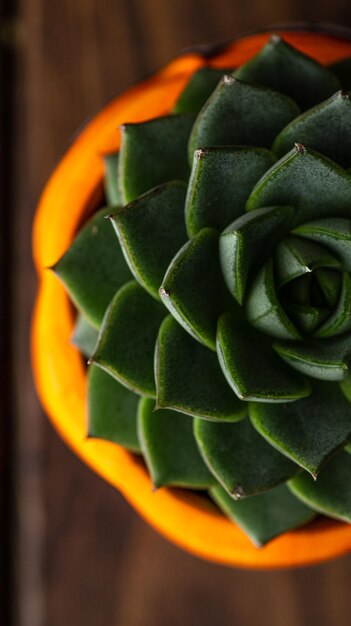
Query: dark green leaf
263	308
330	493
193	288
326	128
266	515
334	233
294	257
151	230
220	183
189	379
112	410
340	320
127	340
84	336
170	449
306	318
112	193
308	181
280	66
247	242
252	368
199	89
329	282
241	460
241	114
93	268
328	359
308	431
153	153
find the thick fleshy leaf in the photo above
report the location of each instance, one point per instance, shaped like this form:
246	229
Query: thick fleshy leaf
334	233
170	449
112	410
220	183
112	193
340	320
93	268
295	257
193	288
242	461
327	359
280	66
330	493
189	379
330	283
308	181
263	308
199	89
266	515
326	128
84	336
342	69
306	318
247	242
127	340
151	230
153	153
238	113
310	430
252	368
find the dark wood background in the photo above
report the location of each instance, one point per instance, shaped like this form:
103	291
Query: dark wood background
72	551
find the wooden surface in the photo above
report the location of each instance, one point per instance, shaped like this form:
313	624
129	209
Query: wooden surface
79	554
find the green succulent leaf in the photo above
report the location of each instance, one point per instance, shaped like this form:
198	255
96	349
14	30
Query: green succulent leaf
246	243
93	268
326	360
330	493
252	368
199	89
127	339
306	318
342	69
266	515
170	449
334	233
308	181
112	193
84	336
111	410
280	66
153	153
295	257
151	230
326	128
340	320
329	282
193	289
189	379
220	183
308	431
238	113
263	308
241	460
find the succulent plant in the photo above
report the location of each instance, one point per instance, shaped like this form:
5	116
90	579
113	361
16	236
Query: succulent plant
214	292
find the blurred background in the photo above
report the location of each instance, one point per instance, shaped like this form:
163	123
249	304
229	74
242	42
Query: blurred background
72	550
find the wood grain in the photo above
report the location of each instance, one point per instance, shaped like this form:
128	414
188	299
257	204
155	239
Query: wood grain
80	554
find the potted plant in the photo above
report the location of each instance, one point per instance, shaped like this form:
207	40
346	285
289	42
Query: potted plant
246	304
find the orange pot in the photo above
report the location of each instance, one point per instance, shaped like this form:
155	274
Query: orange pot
73	191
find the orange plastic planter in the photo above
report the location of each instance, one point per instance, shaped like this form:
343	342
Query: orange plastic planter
73	191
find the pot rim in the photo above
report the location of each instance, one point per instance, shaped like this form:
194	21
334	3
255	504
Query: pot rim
182	516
